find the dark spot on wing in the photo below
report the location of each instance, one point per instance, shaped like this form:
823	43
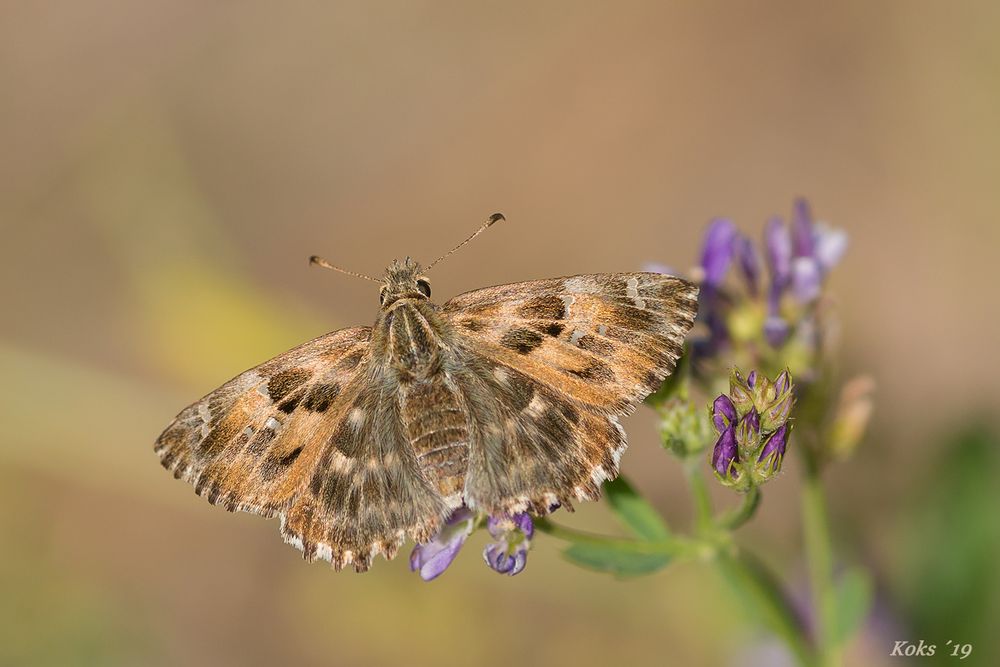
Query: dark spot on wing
520	390
596	345
274	465
549	307
633	318
219	437
570	413
284	382
321	396
260	441
554	329
472	325
521	340
597	371
289	404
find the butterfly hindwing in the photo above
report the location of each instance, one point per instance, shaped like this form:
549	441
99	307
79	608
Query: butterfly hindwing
367	493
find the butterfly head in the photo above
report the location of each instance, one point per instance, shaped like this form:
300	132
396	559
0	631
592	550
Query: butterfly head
404	280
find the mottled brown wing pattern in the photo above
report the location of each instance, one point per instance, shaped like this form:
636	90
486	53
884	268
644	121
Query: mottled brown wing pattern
367	493
558	362
315	437
248	444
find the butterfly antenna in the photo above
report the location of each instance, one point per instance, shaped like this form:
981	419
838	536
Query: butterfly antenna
496	217
319	261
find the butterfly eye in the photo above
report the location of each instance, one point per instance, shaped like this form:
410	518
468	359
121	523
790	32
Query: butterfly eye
424	287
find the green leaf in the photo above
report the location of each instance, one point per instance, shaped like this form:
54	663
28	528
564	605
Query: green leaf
617	560
634	511
853	599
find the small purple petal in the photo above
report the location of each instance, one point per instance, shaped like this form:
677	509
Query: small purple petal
803	234
807	279
782	382
723	413
433	558
776	444
725	454
778	249
776	330
831	244
749	262
524	524
752	379
717	252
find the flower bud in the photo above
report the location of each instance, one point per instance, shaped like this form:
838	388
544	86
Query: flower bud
748	433
776	414
725	458
783	382
723	413
509	553
763	393
850	422
740	393
684	429
772	454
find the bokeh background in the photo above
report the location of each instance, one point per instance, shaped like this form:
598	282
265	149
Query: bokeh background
167	168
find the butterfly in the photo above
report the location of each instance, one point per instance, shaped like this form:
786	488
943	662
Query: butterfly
505	399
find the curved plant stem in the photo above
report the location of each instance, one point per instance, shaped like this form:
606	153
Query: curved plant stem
815	525
739	516
674	546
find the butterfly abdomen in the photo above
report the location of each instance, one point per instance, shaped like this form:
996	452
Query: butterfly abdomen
437	428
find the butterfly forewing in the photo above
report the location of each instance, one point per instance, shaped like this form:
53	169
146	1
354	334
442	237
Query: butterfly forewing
550	366
247	444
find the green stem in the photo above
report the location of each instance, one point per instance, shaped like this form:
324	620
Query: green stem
675	546
699	492
739	516
765	601
819	557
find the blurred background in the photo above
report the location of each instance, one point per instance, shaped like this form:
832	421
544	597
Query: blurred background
167	168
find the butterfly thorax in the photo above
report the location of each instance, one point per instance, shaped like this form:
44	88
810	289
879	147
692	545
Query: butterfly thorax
411	338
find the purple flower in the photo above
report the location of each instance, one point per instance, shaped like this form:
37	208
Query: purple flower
776	330
752	421
725	457
717	253
774	450
807	279
831	244
723	413
748	262
434	557
509	553
803	235
778	249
